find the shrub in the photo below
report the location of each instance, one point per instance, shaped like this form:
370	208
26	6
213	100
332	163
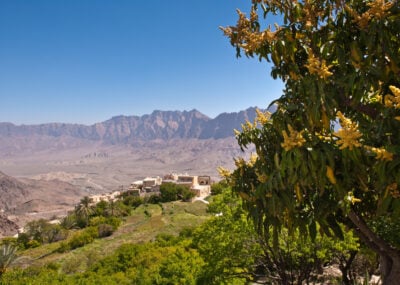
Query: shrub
32	244
133	201
187	194
95	221
69	222
219	187
105	230
64	247
114	222
80	239
153	199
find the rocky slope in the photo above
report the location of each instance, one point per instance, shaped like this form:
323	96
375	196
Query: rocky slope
7	227
24	199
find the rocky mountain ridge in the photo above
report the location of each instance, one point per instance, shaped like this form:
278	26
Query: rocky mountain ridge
164	125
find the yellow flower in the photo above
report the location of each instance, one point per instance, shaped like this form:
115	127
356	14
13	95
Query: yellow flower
315	66
263	178
324	72
268	35
393	100
395	90
349	134
253	159
262	117
363	20
223	172
295	139
330	175
245	35
248	126
379	8
239	162
353	199
382	154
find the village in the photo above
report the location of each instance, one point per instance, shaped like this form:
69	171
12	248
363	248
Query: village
200	185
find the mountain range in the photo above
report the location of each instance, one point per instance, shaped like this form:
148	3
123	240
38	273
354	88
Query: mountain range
159	125
49	167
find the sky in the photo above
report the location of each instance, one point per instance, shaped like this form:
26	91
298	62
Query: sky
85	61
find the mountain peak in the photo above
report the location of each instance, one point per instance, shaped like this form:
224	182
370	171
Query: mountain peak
165	125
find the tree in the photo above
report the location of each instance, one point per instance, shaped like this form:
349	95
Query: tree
172	192
234	253
330	153
42	232
84	210
8	255
227	242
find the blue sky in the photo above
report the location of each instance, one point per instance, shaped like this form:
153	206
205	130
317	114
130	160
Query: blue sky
84	61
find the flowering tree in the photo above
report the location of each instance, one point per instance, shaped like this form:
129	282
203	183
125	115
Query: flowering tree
330	153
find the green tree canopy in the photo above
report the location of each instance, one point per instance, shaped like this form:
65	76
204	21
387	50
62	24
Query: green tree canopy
330	153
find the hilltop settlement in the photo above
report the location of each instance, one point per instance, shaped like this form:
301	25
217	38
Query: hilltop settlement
200	185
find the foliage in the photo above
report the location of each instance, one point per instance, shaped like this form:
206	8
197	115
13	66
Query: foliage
83	211
218	188
153	199
83	237
388	229
234	251
184	266
8	255
133	201
173	192
69	221
41	231
227	242
330	153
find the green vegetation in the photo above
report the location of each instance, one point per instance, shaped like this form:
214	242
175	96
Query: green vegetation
7	257
172	192
329	155
183	243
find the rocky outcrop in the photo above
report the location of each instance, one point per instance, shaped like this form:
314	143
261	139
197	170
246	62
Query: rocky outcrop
7	227
12	192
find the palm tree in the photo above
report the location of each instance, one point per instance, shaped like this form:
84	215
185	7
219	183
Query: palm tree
7	257
84	209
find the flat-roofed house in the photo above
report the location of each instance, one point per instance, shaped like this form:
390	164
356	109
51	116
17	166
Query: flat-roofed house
203	186
152	184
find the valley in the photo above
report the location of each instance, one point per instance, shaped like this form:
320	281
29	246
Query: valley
48	168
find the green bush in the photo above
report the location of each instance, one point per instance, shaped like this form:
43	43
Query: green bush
114	222
32	244
187	194
173	192
98	220
153	199
84	237
219	187
133	201
64	247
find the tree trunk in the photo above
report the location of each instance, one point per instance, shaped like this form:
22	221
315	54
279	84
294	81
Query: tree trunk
389	256
344	266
